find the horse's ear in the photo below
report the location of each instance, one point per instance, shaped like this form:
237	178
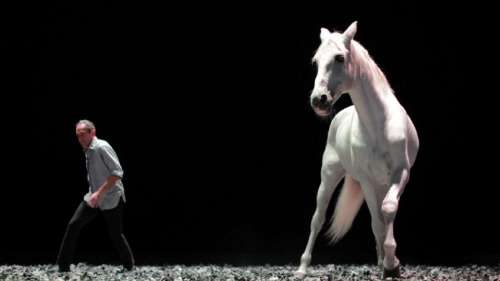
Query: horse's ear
324	34
349	33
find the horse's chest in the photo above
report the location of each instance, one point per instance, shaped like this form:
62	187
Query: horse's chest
361	156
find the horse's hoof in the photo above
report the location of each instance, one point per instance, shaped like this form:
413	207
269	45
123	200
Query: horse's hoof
393	273
299	274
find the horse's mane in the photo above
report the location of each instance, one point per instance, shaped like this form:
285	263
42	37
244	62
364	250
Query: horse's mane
364	67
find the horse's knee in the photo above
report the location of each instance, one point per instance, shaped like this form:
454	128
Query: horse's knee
389	209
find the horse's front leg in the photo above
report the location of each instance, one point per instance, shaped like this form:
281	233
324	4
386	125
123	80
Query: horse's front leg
389	209
331	174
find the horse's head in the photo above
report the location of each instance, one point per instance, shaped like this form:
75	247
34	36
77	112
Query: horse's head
333	62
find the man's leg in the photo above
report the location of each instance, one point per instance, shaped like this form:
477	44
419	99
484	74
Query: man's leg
83	215
113	219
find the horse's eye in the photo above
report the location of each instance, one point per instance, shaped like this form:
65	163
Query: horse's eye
339	58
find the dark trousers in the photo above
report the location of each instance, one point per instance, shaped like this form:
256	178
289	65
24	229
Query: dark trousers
83	215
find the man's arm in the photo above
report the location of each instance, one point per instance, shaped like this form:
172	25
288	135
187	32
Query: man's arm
110	159
95	198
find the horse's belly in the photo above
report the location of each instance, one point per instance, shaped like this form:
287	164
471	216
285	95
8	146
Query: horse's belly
369	167
379	171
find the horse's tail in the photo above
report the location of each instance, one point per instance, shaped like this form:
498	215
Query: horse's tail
348	204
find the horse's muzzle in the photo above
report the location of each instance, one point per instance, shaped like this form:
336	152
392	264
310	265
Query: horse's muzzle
322	104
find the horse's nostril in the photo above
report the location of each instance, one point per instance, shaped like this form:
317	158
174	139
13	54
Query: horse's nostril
323	99
315	101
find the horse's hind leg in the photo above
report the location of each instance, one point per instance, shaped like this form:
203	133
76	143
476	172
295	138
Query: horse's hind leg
331	174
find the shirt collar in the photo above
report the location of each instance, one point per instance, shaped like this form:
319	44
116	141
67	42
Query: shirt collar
93	144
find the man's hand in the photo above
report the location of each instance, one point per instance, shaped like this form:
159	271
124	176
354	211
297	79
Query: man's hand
95	198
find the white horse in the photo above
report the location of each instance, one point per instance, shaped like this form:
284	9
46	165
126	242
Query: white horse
371	145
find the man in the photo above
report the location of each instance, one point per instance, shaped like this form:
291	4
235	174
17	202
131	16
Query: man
106	196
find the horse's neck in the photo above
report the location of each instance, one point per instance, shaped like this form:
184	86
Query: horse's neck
373	99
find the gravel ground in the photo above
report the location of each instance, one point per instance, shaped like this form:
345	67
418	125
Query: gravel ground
84	272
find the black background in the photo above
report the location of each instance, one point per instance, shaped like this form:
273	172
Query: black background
207	108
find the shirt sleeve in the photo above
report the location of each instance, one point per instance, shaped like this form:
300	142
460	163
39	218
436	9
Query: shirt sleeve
110	159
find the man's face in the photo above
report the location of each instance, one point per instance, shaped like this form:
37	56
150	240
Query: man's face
84	135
